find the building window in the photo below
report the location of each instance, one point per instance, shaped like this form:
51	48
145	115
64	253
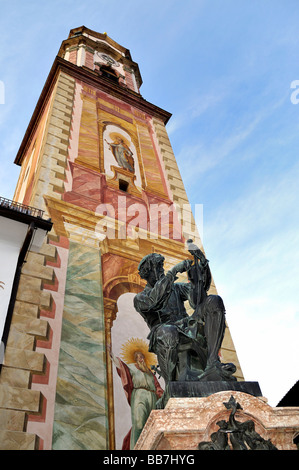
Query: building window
108	72
123	185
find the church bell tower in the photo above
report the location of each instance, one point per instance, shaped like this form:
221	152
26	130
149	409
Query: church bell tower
97	159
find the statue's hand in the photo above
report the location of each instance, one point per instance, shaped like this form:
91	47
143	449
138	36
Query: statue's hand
182	267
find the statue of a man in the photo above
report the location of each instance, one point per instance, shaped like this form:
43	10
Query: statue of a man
186	346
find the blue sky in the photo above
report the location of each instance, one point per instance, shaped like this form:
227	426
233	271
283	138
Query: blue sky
224	70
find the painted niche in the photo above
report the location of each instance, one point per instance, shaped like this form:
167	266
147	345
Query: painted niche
120	157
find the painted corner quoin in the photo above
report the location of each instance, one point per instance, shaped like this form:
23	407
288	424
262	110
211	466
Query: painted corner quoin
96	157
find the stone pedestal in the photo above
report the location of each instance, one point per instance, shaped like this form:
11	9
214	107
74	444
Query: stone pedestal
185	422
205	389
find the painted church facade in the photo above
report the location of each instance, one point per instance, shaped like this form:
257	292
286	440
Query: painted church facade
97	159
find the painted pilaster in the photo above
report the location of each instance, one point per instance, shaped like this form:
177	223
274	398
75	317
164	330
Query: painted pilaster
81	418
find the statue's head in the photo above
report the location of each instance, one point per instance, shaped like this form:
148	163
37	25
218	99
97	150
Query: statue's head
151	267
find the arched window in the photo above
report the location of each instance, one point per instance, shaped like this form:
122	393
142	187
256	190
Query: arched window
108	72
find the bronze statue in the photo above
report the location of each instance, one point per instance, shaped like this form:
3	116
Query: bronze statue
187	346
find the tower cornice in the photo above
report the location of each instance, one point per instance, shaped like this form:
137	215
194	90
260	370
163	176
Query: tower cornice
92	78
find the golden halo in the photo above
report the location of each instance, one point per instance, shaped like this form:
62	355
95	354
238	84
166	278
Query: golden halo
132	346
115	135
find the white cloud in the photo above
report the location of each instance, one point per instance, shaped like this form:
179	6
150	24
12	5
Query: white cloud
198	105
198	159
266	344
252	245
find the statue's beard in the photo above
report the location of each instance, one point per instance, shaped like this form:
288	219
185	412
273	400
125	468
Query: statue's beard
159	274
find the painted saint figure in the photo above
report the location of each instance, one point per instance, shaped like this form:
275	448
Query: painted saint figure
122	154
142	391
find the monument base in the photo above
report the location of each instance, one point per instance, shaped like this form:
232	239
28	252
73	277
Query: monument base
194	389
186	422
204	389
